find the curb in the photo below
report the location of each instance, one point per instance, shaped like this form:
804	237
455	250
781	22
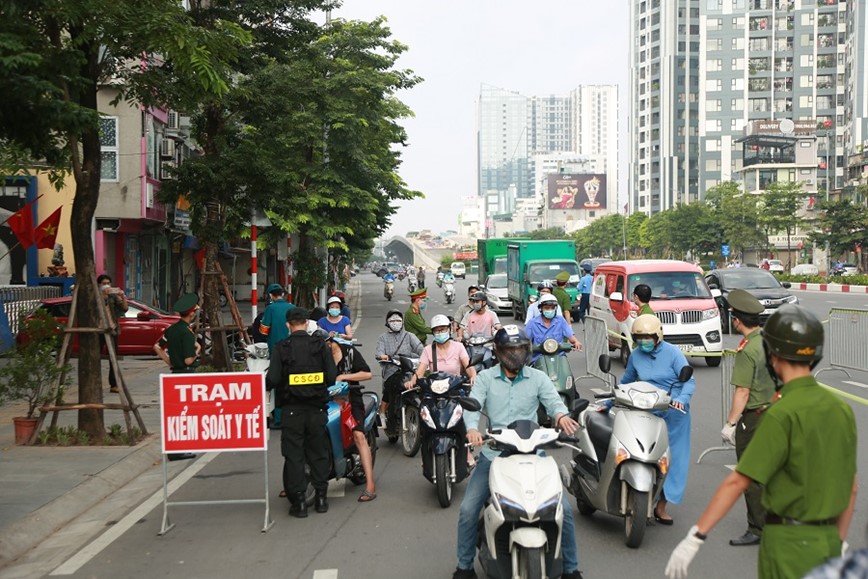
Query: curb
831	287
28	532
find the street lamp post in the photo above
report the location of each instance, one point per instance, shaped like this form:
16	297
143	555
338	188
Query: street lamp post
828	168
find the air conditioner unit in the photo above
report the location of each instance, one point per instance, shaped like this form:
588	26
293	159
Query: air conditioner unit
165	174
167	149
809	181
173	121
110	225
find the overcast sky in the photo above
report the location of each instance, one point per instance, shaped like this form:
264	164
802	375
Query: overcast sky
534	48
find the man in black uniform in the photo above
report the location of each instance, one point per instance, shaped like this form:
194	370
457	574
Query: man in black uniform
302	366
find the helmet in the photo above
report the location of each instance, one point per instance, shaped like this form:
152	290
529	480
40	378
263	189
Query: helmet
547	299
391	313
440	320
793	333
544	284
510	336
647	325
479	296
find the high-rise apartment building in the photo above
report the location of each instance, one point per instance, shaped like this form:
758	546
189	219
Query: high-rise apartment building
703	71
513	129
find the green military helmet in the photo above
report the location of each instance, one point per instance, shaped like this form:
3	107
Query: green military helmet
793	333
743	301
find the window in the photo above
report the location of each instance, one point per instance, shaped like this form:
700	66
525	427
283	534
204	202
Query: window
737	64
738	43
712	144
108	140
714	64
738	23
736	124
713	105
806	81
712	125
737	83
713	85
737	104
715	44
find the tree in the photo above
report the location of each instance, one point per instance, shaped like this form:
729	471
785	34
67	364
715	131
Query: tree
54	58
547	233
735	213
778	210
843	225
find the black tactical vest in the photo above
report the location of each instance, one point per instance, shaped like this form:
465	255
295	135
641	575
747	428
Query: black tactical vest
302	359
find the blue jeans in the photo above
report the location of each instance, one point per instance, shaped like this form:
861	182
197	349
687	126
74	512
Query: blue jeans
476	494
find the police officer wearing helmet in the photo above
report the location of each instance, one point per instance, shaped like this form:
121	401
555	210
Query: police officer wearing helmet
754	391
302	367
804	455
659	363
507	392
544	287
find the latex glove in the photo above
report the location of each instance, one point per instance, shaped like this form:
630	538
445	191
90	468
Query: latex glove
845	546
728	434
683	554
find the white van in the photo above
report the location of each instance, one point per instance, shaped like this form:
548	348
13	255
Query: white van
679	296
458	269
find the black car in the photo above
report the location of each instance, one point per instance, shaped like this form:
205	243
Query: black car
758	282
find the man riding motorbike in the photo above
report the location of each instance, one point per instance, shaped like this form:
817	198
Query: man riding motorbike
544	287
550	325
479	320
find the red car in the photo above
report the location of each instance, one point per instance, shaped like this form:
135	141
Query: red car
141	325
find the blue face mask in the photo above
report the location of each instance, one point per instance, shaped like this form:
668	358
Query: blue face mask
423	305
549	314
441	338
334	312
646	345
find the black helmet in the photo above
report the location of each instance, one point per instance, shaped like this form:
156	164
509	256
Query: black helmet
479	296
793	333
510	336
392	313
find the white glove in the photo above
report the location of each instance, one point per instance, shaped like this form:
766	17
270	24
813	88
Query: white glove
683	554
728	434
845	546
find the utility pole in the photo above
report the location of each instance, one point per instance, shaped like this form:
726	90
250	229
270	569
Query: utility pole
828	185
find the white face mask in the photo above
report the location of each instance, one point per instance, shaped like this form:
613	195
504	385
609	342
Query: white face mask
396	325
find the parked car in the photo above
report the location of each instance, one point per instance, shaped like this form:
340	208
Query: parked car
594	262
805	269
495	290
771	293
141	325
776	266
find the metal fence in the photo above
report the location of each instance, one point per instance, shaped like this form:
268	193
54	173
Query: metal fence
726	390
18	300
848	334
596	343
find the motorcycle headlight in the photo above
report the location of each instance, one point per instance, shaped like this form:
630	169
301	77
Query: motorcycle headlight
426	418
550	346
512	511
440	386
549	509
710	314
260	351
643	400
457	415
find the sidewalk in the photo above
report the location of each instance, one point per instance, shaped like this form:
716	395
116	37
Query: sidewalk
44	489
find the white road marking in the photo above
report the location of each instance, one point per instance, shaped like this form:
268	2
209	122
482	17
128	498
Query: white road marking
731	466
325	574
81	558
859	384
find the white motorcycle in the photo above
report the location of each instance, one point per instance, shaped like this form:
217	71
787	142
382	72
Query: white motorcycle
622	455
449	291
522	523
258	358
412	284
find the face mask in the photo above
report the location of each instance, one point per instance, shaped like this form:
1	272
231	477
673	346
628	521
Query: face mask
396	325
476	307
441	338
549	314
512	359
423	305
334	312
646	345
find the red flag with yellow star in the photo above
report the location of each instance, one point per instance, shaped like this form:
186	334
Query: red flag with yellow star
46	233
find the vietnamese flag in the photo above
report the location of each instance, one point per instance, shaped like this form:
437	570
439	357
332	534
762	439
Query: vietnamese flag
21	223
46	233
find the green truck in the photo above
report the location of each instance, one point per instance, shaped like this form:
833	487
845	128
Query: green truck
530	262
492	256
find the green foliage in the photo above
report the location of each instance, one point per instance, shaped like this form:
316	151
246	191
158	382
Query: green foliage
842	224
30	371
778	208
548	233
72	436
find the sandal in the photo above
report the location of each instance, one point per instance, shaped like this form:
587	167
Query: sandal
282	494
367	497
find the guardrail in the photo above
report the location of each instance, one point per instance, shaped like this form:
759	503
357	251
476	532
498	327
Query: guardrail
848	334
18	300
595	344
726	390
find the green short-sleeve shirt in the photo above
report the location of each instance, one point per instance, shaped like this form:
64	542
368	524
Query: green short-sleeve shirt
563	298
750	372
804	453
180	343
646	309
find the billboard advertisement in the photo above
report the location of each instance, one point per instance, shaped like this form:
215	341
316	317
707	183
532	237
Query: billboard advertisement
577	191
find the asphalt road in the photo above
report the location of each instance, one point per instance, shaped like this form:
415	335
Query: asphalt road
404	532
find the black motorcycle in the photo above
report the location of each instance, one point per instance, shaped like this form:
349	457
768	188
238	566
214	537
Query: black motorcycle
443	434
480	355
392	390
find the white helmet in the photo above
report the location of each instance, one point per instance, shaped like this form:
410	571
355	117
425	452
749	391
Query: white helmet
440	320
547	299
647	325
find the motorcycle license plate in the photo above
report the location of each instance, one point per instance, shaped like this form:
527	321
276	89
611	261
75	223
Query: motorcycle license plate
685	347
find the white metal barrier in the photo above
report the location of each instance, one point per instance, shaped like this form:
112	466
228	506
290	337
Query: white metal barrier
18	300
726	391
596	343
848	334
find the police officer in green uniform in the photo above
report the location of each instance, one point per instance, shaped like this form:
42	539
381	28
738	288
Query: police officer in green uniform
178	347
302	366
641	297
754	391
414	322
804	455
559	292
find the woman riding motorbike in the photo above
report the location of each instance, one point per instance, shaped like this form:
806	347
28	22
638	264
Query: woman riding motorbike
391	345
444	355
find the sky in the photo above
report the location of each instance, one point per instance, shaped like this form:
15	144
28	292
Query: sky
534	48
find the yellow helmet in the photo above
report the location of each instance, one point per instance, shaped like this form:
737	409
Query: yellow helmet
647	325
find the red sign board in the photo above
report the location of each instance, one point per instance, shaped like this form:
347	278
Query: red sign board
213	412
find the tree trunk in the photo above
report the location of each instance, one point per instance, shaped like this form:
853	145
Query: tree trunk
87	185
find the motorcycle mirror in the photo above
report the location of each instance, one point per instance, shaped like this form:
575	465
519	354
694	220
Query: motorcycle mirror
471	404
606	363
685	374
579	406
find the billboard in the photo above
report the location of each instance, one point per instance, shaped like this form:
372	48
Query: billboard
577	191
